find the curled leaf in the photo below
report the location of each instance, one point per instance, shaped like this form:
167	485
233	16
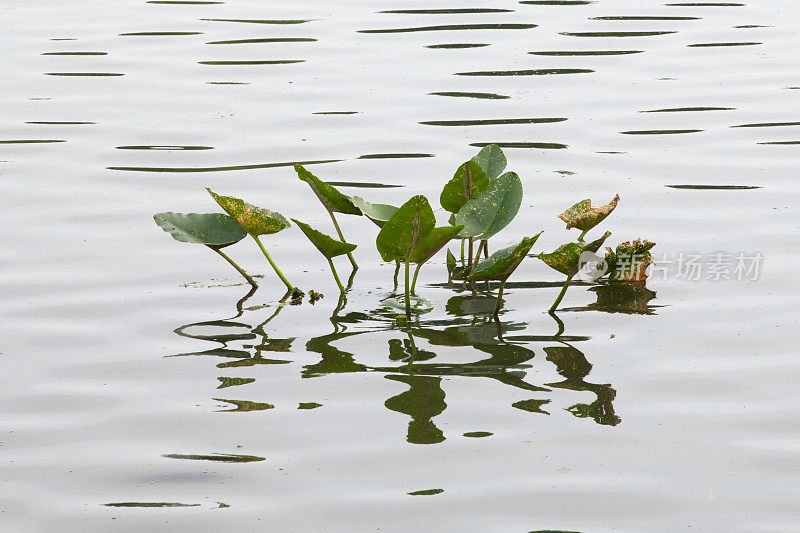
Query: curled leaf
405	229
566	258
377	213
629	261
254	220
212	229
468	181
492	209
584	216
501	264
328	246
492	160
418	304
330	197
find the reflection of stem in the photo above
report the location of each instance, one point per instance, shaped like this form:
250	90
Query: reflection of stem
335	275
339	231
560	323
239	269
413	354
339	306
414	282
561	294
240	303
289	286
408	297
499	298
396	272
350	279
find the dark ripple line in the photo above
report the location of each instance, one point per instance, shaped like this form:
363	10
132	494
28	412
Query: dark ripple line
260	21
681	109
164	147
228	82
586	52
781	142
539	145
715	187
182	2
58	123
75	54
484	96
256	62
457	46
221	169
658	132
222	457
707	4
33	141
558	2
151	504
492	122
91	74
394	156
363	185
535	72
616	33
446	11
447	27
159	33
766	125
709	45
643	18
336	112
267	40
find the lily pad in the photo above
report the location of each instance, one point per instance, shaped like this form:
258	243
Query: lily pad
328	246
405	229
433	242
330	197
419	305
501	264
492	209
468	181
492	160
377	213
212	229
254	220
584	216
566	258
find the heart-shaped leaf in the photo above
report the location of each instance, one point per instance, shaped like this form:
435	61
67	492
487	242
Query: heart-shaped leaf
378	213
328	246
405	229
584	216
566	258
212	229
492	209
492	160
469	180
432	243
255	220
501	264
330	197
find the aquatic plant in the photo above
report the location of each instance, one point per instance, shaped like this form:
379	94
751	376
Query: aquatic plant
629	262
214	230
327	246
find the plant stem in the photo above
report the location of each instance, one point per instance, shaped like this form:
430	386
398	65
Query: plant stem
499	298
414	281
481	246
462	252
583	235
239	269
396	272
339	231
274	266
335	275
408	296
485	243
561	294
469	255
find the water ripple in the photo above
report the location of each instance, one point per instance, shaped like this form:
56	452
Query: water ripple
643	18
225	168
457	46
492	122
454	27
708	45
458	94
682	109
267	40
714	187
159	33
539	145
261	21
457	11
90	74
164	147
766	125
533	72
586	52
616	33
658	132
253	62
75	54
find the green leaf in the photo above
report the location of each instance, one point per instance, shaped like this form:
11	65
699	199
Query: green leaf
451	262
469	180
493	209
584	216
212	229
433	242
255	220
378	213
501	264
492	160
405	229
328	246
330	197
566	258
419	305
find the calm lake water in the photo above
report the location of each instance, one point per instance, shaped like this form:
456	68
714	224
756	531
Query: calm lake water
137	395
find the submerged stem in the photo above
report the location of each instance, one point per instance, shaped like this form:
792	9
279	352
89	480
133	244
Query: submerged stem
289	286
335	275
561	294
396	273
499	298
239	269
339	231
414	281
469	255
408	297
462	252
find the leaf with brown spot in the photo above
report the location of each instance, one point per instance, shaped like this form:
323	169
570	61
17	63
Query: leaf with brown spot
254	220
330	197
405	229
566	258
501	264
468	181
492	209
584	216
